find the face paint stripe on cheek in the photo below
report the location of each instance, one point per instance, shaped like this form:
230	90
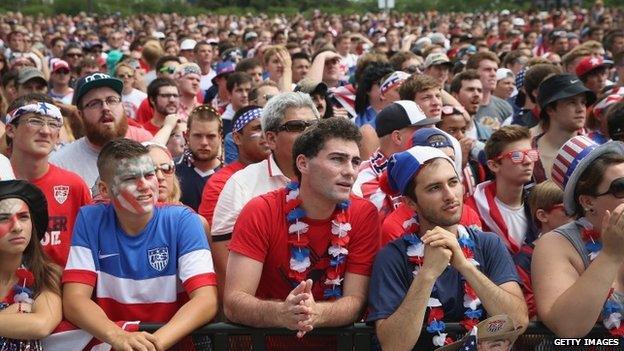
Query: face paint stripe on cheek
130	203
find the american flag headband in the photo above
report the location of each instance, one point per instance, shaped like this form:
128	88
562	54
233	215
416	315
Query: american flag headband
395	79
40	108
190	69
247	117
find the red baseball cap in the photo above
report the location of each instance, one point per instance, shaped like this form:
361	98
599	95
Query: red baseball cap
591	63
60	64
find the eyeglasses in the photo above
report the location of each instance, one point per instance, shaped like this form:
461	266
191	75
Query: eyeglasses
169	96
296	126
74	54
39	123
61	71
518	156
450	110
124	76
616	189
167	69
166	168
99	103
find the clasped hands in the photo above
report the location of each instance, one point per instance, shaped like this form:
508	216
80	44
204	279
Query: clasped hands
442	248
299	311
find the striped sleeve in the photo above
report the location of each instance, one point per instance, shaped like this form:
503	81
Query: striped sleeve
81	265
195	266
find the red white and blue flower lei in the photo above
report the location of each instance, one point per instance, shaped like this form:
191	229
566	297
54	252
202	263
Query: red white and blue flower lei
298	243
435	318
611	311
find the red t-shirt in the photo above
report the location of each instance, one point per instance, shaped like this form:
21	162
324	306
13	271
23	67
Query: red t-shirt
261	233
392	227
145	112
150	127
65	193
213	188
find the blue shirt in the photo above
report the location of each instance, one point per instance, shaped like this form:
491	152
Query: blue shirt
368	117
392	277
191	184
231	149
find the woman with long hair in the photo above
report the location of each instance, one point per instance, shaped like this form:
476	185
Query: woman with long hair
168	183
30	290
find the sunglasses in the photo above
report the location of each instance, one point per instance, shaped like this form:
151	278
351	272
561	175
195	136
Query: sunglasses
166	168
167	69
296	126
616	189
518	156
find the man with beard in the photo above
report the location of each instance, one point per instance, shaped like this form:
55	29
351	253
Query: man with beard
163	97
467	88
98	98
439	271
203	136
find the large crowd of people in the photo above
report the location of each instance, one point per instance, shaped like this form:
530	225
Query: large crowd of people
405	170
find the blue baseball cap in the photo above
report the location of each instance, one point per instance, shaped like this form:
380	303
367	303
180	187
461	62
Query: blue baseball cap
432	137
403	166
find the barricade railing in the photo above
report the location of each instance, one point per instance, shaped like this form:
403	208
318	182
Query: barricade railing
360	337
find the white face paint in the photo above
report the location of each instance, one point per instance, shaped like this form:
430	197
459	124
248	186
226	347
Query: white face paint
135	186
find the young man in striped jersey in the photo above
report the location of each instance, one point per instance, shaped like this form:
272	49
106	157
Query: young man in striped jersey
130	259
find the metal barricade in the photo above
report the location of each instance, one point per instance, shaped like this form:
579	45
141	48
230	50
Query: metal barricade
359	337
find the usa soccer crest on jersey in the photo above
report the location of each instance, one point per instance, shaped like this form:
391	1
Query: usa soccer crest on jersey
158	257
60	193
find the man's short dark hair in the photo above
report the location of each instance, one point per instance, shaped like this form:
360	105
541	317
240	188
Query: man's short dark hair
237	78
153	89
313	140
167	58
246	64
475	60
300	56
117	150
469	74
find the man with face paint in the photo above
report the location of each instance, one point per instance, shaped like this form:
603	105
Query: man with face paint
33	129
128	257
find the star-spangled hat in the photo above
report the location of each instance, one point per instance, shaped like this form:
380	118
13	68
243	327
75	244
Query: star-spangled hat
499	327
572	160
394	80
403	166
245	118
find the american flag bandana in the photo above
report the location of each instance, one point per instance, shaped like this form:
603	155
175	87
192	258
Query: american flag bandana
247	117
40	108
395	79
